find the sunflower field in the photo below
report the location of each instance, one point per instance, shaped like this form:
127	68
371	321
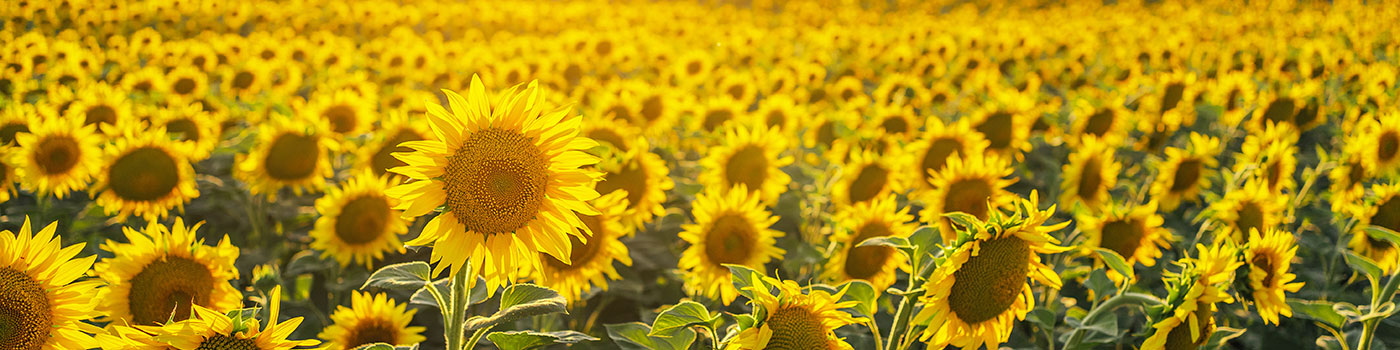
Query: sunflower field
757	174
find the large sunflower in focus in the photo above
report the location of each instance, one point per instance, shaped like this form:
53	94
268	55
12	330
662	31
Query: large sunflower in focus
1090	174
880	217
867	175
508	173
968	184
940	141
146	174
210	329
57	156
590	261
358	222
1186	172
371	318
1251	206
793	320
974	295
42	303
1188	318
731	227
165	271
1135	233
750	156
1269	256
290	153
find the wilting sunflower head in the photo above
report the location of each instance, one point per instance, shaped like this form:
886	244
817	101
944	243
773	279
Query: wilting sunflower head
1187	318
974	184
163	272
57	156
785	318
1186	172
371	319
291	152
749	156
1269	256
880	217
146	174
42	301
210	329
509	174
731	227
980	288
358	221
590	261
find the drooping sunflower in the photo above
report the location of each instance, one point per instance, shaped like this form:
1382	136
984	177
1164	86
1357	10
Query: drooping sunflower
931	151
591	261
191	126
645	178
1135	233
1251	206
371	318
749	156
1091	172
1188	319
793	320
164	271
1382	210
358	223
971	184
879	217
57	156
1272	154
43	301
1186	172
1382	134
731	227
1269	256
974	296
866	175
509	174
146	174
290	153
346	112
210	329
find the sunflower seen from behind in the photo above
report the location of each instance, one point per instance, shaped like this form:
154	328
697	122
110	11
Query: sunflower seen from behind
358	222
731	227
1269	256
880	217
970	184
59	155
371	318
591	262
1186	172
290	153
974	297
509	173
162	272
43	302
792	319
146	174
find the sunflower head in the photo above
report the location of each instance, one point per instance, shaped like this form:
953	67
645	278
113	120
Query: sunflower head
1186	172
209	329
57	156
786	318
1269	256
731	227
165	271
974	184
43	302
880	217
591	261
147	174
1135	232
358	221
1187	317
371	318
291	152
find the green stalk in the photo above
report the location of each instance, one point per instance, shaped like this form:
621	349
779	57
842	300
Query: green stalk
1108	306
874	330
1368	333
902	316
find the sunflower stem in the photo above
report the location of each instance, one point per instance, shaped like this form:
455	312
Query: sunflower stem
874	330
902	316
1108	306
1368	333
456	311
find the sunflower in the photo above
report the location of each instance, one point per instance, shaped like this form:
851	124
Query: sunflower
346	112
779	111
897	123
1007	130
1236	94
1252	206
1090	174
1135	232
644	176
657	108
1188	318
879	217
714	116
147	80
44	303
792	320
15	119
146	174
101	105
509	174
358	222
57	156
1272	153
749	156
191	126
826	134
974	295
974	184
394	129
931	151
691	69
1175	97
186	84
1108	122
591	261
867	175
1348	178
290	152
731	227
210	329
7	174
1186	172
1269	256
1384	211
163	271
849	93
371	318
610	131
1383	135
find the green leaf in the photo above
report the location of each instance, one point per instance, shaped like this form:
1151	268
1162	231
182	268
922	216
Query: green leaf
405	276
1222	335
1117	263
524	340
1383	233
376	346
520	301
864	295
683	315
963	219
1099	282
239	317
423	297
1364	265
924	239
1043	318
742	277
633	336
1320	311
887	241
308	262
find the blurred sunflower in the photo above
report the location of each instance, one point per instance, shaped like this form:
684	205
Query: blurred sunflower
793	320
394	129
103	106
1109	123
1383	136
1271	153
780	112
44	302
1186	172
1347	179
749	156
57	156
509	174
1006	130
1236	94
1134	232
163	272
1269	256
358	222
347	113
146	174
610	131
879	217
371	318
644	176
867	175
291	153
974	296
975	185
185	83
931	151
1090	173
15	119
190	126
1188	318
1382	210
7	174
731	227
210	329
714	116
1251	206
1175	98
591	260
147	80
